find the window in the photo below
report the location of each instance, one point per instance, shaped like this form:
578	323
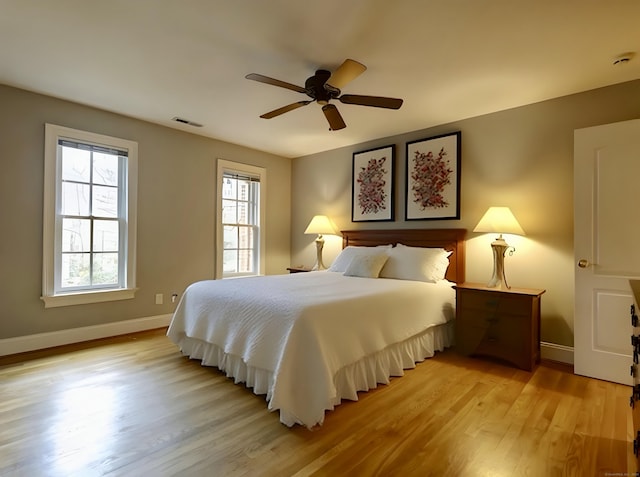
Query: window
89	217
240	238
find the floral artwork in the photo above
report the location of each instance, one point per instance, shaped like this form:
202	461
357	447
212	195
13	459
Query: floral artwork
372	195
430	175
433	178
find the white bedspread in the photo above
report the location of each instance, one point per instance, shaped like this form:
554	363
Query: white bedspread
300	330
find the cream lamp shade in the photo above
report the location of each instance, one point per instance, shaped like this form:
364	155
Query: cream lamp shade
499	220
321	225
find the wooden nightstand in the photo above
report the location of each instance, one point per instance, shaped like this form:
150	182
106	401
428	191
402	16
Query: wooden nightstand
502	324
298	269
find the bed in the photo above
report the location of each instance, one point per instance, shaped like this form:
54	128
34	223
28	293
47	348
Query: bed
309	340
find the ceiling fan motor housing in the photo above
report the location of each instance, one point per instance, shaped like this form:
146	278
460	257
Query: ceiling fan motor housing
317	88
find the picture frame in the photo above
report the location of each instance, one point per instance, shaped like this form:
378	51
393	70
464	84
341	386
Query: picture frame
373	191
432	185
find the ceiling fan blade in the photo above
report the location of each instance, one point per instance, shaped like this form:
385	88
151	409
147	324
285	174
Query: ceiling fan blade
346	72
274	82
375	101
333	116
284	109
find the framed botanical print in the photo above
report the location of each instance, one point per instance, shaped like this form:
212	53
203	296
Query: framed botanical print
372	197
432	186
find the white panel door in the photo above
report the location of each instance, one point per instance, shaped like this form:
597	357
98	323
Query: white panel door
606	247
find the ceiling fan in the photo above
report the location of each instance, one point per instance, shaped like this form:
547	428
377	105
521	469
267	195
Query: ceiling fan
324	86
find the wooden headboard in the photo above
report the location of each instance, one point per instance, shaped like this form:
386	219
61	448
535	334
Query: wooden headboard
449	239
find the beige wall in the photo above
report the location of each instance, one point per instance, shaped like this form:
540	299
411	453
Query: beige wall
176	211
521	158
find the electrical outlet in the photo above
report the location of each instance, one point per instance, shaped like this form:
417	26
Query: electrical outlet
159	299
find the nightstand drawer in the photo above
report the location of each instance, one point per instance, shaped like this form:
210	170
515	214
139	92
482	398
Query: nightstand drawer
499	303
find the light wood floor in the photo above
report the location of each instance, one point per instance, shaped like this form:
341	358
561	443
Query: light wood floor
133	406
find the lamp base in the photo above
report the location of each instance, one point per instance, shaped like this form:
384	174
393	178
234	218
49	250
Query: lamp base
319	245
498	280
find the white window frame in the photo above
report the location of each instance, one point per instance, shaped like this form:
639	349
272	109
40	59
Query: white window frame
230	167
51	217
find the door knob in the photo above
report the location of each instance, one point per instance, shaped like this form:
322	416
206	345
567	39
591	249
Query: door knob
583	263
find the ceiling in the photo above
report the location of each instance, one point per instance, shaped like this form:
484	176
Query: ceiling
448	59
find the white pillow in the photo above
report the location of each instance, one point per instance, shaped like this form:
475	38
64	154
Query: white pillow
348	253
366	265
416	263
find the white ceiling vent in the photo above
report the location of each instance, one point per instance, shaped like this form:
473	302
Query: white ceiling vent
186	121
624	58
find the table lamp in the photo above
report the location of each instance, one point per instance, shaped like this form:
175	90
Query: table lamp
502	221
320	224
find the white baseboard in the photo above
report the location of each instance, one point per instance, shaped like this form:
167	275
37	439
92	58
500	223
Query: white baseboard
22	344
556	352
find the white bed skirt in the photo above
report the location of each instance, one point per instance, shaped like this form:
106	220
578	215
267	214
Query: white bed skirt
362	375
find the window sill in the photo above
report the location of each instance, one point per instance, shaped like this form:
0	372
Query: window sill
69	299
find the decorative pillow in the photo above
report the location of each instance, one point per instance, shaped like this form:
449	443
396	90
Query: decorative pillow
366	265
348	253
416	263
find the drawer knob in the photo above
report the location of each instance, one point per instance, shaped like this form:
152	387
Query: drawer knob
583	263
